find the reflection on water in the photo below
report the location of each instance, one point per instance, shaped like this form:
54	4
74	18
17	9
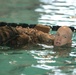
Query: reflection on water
57	12
56	62
44	60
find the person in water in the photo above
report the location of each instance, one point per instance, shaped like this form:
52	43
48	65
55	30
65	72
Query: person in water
18	37
63	36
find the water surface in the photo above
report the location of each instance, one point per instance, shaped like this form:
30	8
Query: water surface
43	60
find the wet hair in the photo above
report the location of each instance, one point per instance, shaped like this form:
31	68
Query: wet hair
7	33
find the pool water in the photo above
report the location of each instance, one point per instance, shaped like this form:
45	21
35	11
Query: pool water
41	59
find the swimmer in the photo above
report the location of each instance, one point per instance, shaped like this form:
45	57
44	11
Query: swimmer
20	36
63	36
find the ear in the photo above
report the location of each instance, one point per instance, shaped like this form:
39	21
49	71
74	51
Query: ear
70	41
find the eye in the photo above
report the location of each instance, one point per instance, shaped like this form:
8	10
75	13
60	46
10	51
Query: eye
65	36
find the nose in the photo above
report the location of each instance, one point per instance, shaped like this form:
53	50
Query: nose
59	38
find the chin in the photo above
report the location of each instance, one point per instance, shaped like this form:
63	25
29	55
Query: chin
63	46
57	45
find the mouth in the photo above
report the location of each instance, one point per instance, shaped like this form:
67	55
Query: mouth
57	43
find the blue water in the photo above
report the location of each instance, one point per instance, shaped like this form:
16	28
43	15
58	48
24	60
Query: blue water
43	60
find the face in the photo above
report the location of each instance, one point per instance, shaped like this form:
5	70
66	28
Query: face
62	37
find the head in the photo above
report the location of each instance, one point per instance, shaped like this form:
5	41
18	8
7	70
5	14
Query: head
63	36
